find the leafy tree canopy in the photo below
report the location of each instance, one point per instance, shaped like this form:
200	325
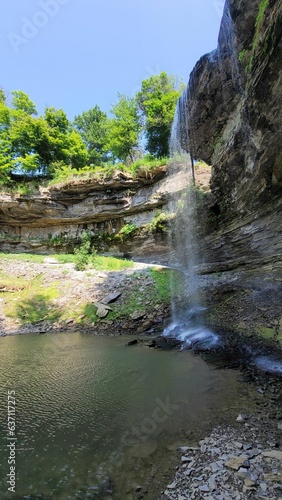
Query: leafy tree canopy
49	144
31	144
157	100
92	125
21	101
124	129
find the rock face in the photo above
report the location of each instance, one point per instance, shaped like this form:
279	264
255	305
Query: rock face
231	119
58	215
234	103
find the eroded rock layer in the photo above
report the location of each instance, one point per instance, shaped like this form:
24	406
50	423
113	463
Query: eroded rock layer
234	107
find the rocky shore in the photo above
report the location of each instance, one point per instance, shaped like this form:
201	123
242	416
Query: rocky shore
231	463
242	460
49	296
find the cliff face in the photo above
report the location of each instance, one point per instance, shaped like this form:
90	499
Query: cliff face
57	216
234	107
233	121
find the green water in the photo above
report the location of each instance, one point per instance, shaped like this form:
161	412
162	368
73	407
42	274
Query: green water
88	408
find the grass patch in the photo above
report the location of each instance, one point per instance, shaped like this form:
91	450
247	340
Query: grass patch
24	257
143	166
35	309
167	282
98	262
159	292
90	313
110	263
32	302
64	258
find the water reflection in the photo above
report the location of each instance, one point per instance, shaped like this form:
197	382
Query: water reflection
89	408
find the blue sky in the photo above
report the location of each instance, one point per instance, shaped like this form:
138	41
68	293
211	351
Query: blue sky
74	54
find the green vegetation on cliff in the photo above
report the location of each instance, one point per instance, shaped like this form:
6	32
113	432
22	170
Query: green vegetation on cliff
51	147
246	57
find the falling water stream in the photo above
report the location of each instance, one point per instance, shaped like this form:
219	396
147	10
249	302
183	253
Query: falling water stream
187	322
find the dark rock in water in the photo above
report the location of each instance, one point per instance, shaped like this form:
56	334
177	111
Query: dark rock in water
132	342
165	343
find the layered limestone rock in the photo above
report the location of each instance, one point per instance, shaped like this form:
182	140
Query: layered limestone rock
234	103
58	214
233	116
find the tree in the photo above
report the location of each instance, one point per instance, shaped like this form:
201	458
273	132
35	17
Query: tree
92	125
5	143
57	120
157	100
22	102
31	144
124	129
64	143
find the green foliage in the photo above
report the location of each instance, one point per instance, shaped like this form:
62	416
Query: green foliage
124	129
35	309
82	253
34	301
258	26
25	257
162	279
126	231
147	164
158	223
101	263
22	102
52	147
31	144
92	125
260	17
157	100
243	56
90	313
63	173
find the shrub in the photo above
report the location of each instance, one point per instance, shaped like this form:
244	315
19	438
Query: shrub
126	231
83	252
158	223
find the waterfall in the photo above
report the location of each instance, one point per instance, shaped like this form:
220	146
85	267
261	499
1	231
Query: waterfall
227	53
187	323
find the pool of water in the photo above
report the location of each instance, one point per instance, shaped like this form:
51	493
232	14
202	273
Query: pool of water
90	408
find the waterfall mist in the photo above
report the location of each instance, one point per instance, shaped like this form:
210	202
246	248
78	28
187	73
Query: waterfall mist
187	322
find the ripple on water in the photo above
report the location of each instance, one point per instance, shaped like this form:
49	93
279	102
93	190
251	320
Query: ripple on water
87	404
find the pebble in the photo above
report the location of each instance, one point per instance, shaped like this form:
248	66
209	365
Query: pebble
225	472
241	418
204	489
273	454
